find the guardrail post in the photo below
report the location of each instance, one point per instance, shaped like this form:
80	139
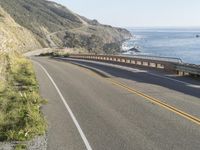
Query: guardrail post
170	67
143	63
148	63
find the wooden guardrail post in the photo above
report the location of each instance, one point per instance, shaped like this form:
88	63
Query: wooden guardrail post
149	64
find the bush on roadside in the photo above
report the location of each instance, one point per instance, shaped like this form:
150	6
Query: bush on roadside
20	147
55	54
66	55
46	54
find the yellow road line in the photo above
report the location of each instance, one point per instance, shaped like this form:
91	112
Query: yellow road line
147	97
156	101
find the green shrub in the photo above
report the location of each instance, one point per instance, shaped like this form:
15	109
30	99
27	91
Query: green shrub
56	54
46	54
20	147
66	55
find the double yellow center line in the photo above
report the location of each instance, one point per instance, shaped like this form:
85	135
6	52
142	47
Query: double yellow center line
145	96
155	101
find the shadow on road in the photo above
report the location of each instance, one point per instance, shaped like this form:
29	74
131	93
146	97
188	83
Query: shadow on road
144	77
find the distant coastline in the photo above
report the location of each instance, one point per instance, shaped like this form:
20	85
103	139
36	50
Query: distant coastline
166	42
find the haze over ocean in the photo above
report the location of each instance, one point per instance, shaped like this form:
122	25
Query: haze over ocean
167	42
181	16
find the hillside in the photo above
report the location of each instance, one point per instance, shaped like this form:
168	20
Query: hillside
54	25
15	37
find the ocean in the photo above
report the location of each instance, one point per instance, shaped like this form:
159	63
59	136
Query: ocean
165	42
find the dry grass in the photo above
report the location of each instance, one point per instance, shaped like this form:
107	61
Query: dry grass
20	102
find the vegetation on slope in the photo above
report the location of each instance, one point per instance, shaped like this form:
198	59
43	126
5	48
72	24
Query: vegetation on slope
15	37
66	29
20	102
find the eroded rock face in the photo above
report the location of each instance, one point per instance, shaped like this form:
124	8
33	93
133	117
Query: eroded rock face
49	22
13	36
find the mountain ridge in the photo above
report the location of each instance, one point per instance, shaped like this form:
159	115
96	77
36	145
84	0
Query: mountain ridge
54	25
14	37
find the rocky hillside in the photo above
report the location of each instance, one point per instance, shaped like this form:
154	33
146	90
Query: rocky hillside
13	36
53	25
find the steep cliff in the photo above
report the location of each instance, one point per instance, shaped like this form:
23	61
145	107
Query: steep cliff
54	25
15	37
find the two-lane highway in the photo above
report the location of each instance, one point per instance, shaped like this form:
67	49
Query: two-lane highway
88	111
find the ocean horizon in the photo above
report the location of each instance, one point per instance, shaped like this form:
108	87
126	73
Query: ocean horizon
182	43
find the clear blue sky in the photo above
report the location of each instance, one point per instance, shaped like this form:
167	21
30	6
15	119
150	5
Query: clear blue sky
139	13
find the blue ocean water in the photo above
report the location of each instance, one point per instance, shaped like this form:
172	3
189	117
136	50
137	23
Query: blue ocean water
180	43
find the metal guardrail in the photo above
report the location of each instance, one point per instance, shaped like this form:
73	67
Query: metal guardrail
174	65
168	59
191	69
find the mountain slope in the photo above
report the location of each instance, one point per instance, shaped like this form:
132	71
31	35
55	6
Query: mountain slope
55	25
15	37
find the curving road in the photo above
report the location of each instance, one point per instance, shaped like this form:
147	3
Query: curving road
117	108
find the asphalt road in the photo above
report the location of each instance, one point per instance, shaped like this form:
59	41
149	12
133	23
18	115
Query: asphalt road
130	110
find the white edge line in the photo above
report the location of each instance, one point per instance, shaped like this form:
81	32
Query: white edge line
68	109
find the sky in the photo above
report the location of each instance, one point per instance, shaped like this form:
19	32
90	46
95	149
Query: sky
139	13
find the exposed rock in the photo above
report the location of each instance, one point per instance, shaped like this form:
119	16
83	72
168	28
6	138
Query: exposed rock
134	49
51	23
15	37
